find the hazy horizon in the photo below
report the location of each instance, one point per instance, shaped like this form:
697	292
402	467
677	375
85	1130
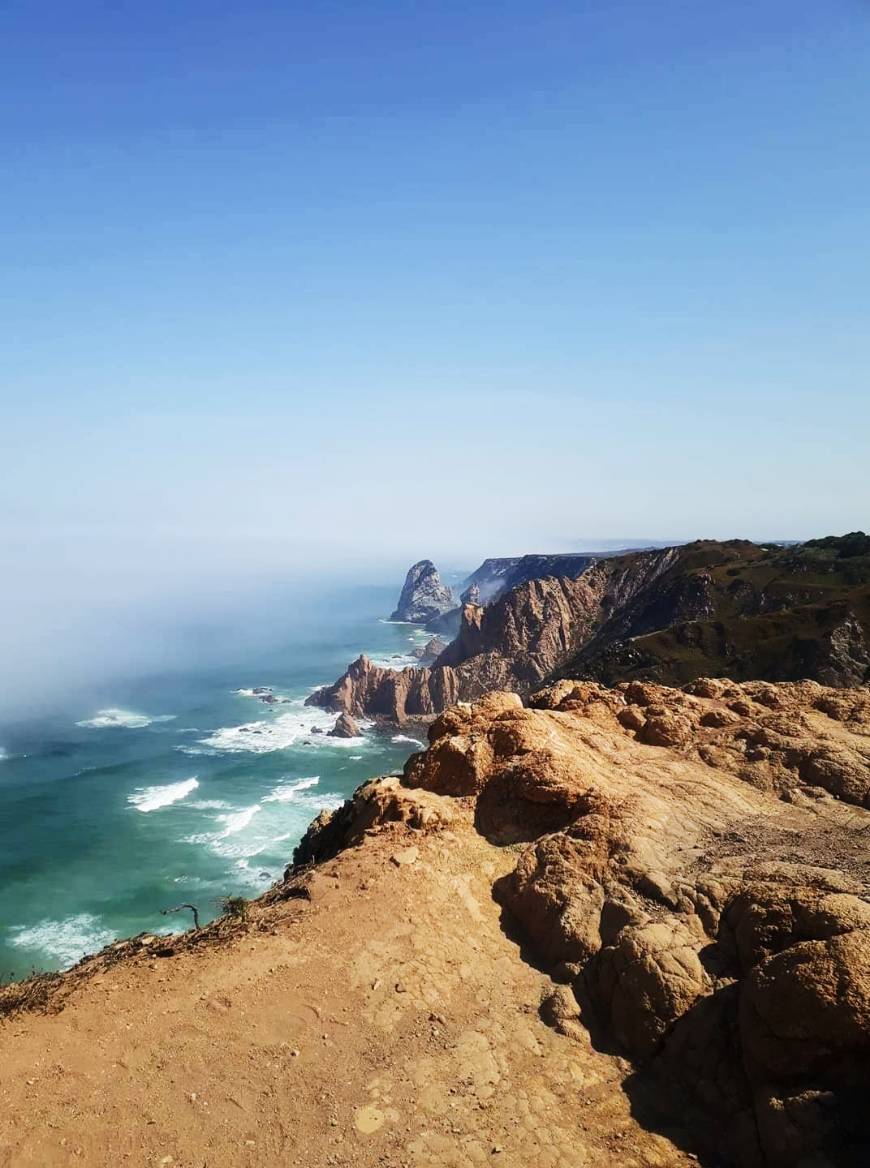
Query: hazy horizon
65	642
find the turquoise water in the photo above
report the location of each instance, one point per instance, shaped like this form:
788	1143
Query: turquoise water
144	794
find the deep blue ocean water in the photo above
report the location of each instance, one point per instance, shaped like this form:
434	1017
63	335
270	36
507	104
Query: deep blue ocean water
143	794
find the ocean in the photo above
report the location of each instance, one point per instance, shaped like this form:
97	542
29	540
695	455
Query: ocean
186	787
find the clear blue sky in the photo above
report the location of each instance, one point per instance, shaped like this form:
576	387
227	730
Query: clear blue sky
289	280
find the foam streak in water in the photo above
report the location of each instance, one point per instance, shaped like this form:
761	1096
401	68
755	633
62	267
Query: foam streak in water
287	792
65	941
152	798
300	723
113	719
237	820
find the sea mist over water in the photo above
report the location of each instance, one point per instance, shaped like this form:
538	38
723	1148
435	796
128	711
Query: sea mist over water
81	611
78	616
148	526
131	792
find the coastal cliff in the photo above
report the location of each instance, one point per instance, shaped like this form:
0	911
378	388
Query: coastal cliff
732	609
615	926
514	643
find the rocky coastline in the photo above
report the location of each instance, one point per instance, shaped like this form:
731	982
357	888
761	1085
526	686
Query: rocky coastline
607	925
589	924
733	609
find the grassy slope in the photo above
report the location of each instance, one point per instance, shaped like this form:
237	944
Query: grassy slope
772	611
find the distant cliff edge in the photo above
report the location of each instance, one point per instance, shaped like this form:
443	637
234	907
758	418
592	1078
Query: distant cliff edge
707	608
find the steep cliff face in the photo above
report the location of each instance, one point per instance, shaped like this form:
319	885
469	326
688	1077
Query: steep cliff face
423	596
514	643
368	690
707	608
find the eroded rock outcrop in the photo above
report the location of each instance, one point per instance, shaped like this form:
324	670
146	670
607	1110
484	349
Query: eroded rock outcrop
693	870
733	609
345	727
423	596
619	926
431	651
512	644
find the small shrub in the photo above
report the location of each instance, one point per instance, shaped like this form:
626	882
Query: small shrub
235	907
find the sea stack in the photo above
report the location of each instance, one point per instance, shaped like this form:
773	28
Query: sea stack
423	595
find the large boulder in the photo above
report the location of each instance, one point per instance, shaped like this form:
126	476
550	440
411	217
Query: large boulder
431	651
345	727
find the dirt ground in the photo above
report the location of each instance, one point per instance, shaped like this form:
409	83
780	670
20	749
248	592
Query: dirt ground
389	1021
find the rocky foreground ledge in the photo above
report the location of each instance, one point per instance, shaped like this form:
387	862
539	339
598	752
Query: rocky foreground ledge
622	926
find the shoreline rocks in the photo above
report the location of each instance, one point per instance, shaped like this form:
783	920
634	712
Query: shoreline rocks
345	727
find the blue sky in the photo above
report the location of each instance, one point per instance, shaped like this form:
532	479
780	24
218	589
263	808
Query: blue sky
350	283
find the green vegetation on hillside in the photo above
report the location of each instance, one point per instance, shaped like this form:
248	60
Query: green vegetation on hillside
745	611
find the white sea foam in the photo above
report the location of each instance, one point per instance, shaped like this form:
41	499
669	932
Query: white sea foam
234	823
196	750
397	661
263	693
64	941
288	792
4	754
241	833
237	820
406	738
209	805
113	719
152	798
298	724
254	877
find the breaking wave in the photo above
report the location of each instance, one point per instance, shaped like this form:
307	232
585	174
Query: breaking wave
299	724
397	661
237	820
152	798
287	792
283	814
407	738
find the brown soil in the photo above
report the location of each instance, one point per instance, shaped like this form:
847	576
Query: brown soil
389	1021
